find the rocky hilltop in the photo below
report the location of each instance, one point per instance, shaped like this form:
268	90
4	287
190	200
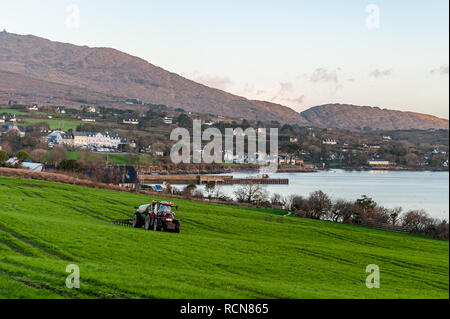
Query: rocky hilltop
37	70
111	72
353	117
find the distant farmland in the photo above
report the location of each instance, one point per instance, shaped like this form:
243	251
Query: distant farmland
113	158
221	252
56	123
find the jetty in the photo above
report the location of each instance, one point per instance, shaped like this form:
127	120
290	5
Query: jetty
145	178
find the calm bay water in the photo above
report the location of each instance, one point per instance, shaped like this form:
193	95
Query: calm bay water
411	190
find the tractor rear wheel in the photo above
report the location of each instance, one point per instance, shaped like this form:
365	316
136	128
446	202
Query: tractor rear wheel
137	221
148	222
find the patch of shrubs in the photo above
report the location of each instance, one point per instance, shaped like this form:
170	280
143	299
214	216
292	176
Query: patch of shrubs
363	211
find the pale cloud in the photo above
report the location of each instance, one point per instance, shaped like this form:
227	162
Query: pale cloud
282	93
442	70
381	73
323	75
286	88
298	100
331	77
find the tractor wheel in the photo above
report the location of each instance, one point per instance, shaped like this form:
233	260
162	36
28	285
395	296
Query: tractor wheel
177	228
148	223
155	225
136	221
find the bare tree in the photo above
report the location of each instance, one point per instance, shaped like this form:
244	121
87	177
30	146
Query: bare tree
319	204
381	215
342	211
198	194
299	203
394	215
57	155
38	155
84	156
210	189
416	220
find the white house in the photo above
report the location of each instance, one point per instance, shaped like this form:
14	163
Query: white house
261	130
33	108
168	120
55	137
209	123
378	162
13	128
83	139
131	121
329	141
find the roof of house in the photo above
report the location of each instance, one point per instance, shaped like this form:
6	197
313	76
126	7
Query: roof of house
10	126
35	167
91	134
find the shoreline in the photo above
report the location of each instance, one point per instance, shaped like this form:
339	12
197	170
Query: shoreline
363	169
252	170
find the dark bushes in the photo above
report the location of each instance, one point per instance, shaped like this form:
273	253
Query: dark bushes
365	211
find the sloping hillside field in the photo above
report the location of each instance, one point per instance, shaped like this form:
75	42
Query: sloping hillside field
221	252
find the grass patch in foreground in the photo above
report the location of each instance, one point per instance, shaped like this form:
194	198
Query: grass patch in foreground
221	252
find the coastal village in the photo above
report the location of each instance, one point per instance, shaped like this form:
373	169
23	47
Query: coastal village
121	138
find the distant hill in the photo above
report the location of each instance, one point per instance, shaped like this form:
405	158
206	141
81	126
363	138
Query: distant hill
36	70
115	73
353	117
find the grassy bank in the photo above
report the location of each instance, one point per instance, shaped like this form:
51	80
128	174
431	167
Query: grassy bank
222	251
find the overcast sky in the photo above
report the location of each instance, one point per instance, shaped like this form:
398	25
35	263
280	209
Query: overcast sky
392	53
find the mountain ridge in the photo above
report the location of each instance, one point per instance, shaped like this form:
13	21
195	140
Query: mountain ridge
348	116
116	73
36	68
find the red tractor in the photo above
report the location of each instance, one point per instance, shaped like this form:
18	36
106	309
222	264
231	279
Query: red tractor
156	216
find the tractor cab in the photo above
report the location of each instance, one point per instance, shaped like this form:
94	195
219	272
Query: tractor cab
160	208
164	207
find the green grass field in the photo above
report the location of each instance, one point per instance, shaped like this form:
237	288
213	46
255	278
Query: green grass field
221	252
113	158
11	111
17	112
55	123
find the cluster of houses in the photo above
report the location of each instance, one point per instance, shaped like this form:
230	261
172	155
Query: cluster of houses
290	160
10	127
